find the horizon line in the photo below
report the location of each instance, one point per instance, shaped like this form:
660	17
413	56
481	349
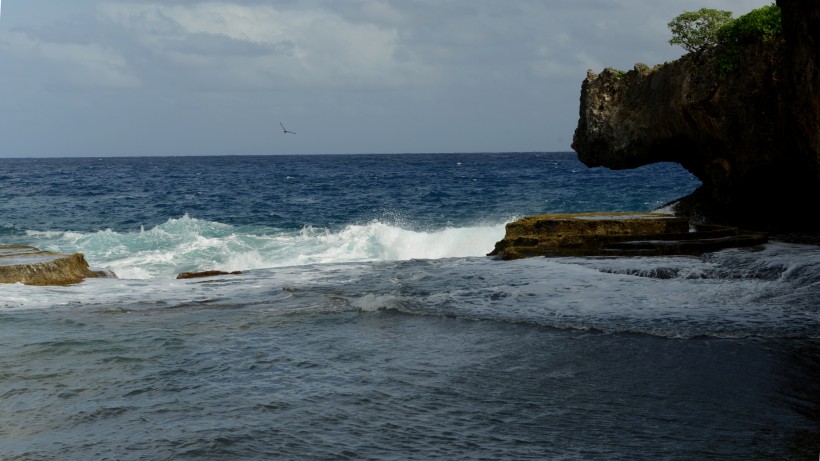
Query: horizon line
280	155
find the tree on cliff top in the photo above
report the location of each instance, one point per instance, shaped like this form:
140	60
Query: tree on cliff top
696	31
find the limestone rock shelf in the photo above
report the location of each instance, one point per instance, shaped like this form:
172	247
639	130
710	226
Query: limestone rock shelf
31	266
616	234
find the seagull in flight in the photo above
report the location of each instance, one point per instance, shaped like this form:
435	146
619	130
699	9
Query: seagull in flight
285	130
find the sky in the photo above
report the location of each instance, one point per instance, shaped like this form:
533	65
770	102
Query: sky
189	77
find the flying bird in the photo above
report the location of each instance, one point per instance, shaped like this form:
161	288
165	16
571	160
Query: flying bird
285	130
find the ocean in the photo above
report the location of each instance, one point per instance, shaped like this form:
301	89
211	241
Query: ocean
367	322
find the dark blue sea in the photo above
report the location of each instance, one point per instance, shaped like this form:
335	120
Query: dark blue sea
368	323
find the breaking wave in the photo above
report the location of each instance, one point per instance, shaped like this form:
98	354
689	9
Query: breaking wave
191	244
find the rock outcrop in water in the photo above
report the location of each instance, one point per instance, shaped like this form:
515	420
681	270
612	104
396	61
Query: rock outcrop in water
751	135
616	234
28	265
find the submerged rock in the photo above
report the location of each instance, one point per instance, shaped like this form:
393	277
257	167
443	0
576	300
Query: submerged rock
31	266
616	234
193	275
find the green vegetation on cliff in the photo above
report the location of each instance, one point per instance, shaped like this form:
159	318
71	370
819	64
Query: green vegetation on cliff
697	31
706	28
760	25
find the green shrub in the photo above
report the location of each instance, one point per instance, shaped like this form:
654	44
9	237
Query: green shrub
758	25
617	73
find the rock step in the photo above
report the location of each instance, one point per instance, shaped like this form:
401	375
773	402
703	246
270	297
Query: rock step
690	246
31	266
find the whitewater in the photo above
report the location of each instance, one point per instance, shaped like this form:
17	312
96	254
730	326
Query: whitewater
187	244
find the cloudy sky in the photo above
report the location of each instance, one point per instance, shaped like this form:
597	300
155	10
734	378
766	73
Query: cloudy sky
191	77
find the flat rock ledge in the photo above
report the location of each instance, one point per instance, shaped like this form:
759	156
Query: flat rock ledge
31	266
616	234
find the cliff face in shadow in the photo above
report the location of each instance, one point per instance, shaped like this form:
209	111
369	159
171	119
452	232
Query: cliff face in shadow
751	135
801	30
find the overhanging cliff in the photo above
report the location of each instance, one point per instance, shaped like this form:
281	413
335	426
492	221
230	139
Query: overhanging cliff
751	135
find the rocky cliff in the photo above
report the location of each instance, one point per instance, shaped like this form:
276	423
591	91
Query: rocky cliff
751	135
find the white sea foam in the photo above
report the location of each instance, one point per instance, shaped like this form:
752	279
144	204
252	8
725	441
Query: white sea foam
732	293
190	244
